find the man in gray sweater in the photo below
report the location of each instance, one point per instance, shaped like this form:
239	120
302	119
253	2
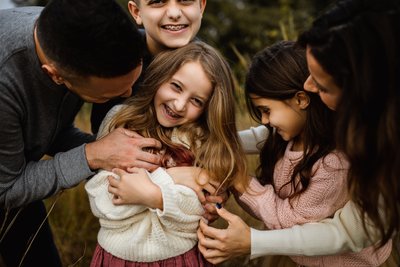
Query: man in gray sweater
51	61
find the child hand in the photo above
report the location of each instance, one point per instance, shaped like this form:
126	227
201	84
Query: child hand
134	188
194	178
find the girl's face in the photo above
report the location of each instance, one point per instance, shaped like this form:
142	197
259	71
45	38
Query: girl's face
287	117
183	98
168	23
322	83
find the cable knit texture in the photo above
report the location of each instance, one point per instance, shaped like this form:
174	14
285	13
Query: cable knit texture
138	233
326	193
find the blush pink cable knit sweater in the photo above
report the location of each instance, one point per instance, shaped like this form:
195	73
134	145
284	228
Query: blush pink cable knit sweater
326	193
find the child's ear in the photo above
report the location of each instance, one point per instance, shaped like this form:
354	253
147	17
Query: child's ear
302	99
203	5
135	12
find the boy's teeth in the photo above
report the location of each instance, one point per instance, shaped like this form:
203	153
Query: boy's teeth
174	27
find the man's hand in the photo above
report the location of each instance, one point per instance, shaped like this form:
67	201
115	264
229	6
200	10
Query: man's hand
122	149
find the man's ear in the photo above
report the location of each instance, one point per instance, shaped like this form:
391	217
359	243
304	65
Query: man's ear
52	71
135	12
302	99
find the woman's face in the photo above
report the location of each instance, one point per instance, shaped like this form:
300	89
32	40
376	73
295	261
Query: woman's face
322	83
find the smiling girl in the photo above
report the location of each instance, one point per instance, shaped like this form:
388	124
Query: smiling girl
187	103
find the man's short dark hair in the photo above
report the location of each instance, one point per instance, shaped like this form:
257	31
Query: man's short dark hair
90	37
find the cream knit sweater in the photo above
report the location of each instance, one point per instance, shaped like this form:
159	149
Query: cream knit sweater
325	194
138	233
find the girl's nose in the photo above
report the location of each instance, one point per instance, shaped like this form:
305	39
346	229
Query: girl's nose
309	85
265	119
180	104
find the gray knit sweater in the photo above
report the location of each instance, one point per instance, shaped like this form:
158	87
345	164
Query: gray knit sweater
36	118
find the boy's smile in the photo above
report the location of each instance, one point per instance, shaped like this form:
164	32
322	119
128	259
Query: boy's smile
168	23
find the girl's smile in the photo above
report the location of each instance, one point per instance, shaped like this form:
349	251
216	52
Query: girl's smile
286	117
183	98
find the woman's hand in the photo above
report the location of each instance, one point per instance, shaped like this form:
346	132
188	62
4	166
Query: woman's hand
218	245
135	188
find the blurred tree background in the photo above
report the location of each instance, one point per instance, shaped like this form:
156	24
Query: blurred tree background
238	28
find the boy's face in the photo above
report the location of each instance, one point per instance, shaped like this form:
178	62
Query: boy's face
168	23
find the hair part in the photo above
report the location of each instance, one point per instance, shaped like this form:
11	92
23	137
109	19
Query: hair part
89	38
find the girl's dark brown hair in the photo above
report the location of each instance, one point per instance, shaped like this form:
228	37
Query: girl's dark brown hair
278	72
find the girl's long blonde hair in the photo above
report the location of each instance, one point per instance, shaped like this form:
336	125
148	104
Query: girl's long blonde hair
220	152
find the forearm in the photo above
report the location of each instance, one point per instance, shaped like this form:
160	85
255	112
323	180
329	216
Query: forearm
101	200
181	206
343	233
253	138
38	180
69	138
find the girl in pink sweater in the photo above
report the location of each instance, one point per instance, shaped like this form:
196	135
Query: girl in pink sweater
301	177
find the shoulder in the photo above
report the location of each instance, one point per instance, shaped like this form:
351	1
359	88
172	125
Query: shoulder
16	31
105	124
335	161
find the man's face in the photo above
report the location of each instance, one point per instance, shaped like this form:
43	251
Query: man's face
99	90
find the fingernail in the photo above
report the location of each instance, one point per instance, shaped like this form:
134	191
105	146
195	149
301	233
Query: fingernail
218	205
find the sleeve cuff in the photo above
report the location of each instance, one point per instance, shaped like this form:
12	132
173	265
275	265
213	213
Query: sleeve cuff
73	166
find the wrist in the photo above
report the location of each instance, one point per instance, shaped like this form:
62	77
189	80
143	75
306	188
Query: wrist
155	200
92	162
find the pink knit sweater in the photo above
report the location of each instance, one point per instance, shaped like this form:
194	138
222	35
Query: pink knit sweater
327	192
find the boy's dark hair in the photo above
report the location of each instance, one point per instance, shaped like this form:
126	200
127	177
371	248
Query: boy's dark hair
90	37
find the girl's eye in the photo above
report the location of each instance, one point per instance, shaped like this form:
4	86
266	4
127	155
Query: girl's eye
175	86
197	102
265	111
